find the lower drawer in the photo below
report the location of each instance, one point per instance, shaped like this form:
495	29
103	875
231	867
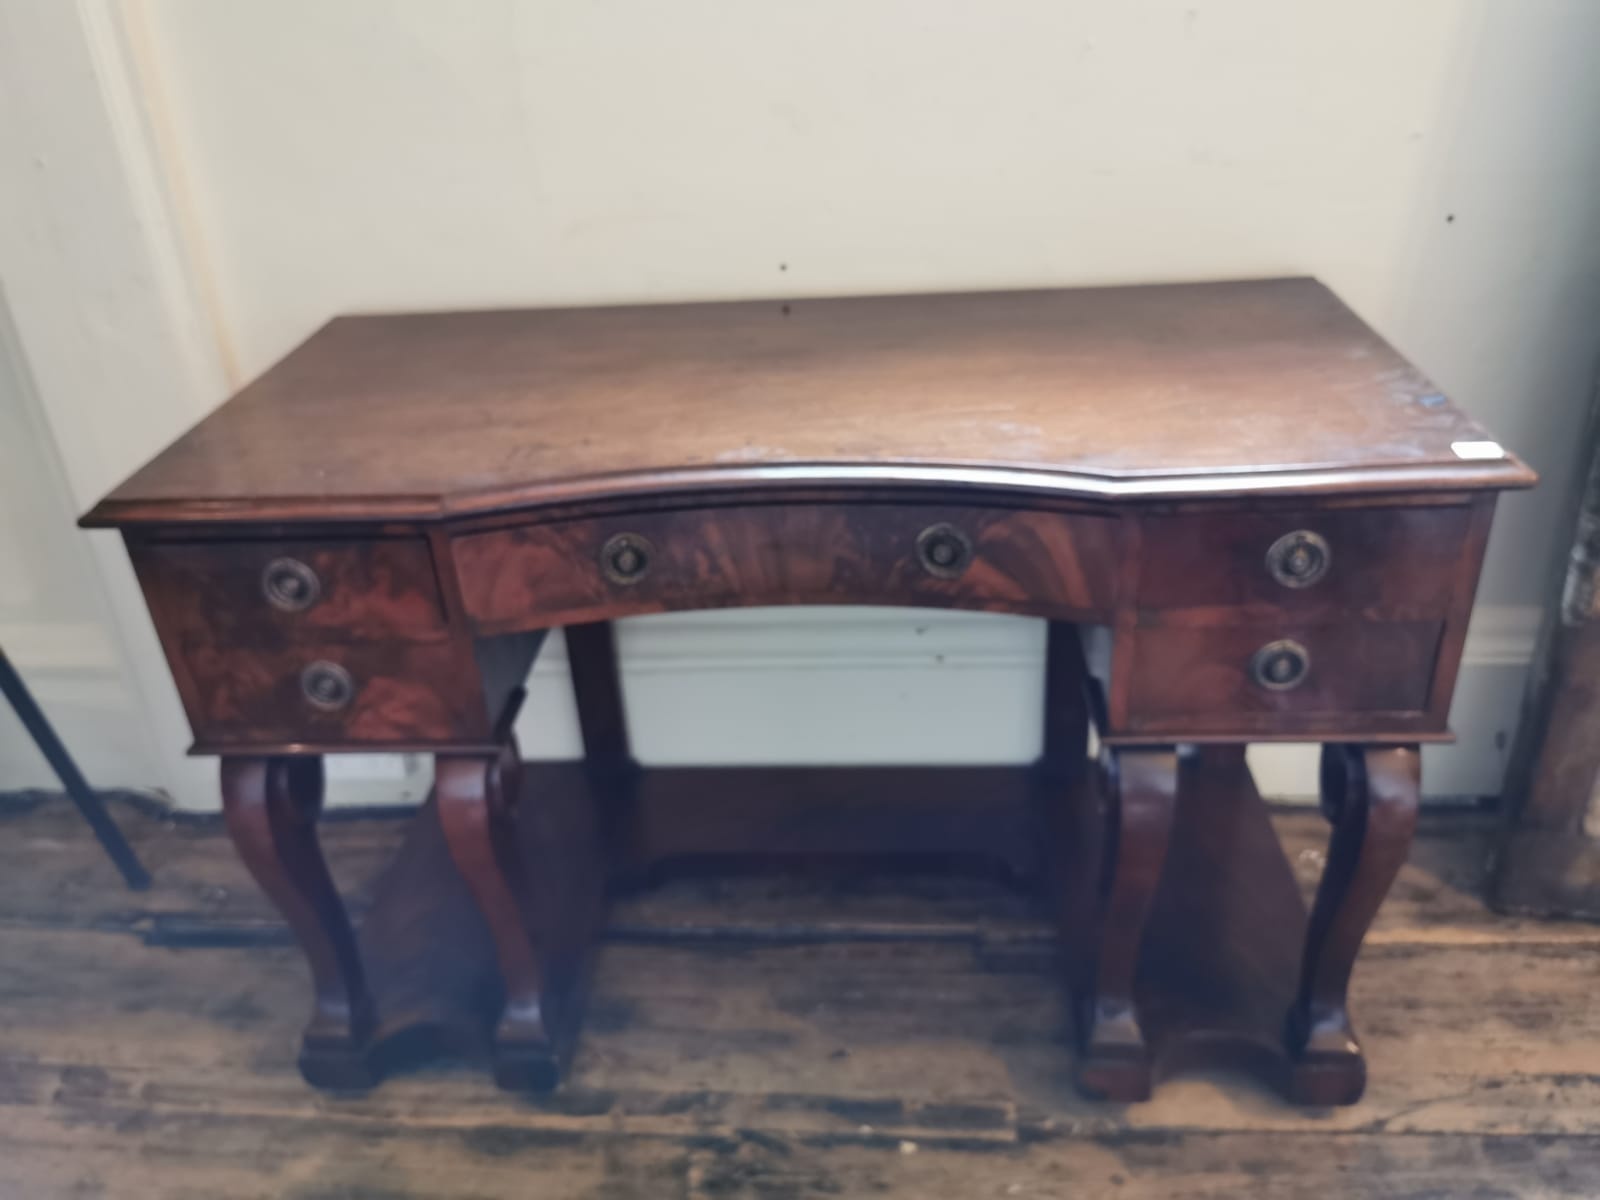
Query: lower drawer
333	693
1273	678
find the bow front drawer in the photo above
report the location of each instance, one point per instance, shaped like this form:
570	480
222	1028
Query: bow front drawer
254	591
1052	564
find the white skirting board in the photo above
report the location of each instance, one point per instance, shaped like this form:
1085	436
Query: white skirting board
809	685
864	685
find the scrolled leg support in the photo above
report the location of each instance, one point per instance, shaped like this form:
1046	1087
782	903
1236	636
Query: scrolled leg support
1369	794
271	805
477	797
1140	788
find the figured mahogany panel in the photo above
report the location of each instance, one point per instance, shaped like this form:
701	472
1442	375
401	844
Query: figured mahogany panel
1199	680
1050	564
424	692
360	589
1380	561
1164	392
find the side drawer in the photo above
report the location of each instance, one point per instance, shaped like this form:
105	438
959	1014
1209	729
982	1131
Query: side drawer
1274	678
268	590
1052	564
1402	561
332	693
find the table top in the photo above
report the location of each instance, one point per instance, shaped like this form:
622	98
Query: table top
1162	392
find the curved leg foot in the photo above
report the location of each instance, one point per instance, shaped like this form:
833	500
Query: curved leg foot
1142	787
477	800
1370	796
271	807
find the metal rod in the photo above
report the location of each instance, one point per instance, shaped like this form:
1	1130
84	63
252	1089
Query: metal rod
94	812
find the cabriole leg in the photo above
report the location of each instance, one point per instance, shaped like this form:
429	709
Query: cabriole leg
1141	786
477	796
1369	793
271	807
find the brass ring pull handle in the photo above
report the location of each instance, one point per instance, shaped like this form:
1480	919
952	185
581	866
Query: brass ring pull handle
327	685
290	585
944	551
625	558
1299	559
1281	666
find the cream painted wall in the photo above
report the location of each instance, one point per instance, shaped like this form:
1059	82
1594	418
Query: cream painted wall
109	358
53	620
1434	161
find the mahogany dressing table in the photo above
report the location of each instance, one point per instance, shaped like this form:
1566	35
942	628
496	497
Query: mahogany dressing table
1244	516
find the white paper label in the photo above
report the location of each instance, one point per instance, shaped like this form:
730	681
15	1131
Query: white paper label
1478	449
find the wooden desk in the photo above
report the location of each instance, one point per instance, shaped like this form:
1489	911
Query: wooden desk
1244	516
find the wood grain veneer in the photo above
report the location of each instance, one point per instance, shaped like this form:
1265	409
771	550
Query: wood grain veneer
1047	564
1161	392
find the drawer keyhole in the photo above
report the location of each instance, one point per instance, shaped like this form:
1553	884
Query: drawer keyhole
290	585
625	558
327	685
1299	559
944	551
1281	666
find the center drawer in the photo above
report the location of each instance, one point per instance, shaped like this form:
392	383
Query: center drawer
1049	564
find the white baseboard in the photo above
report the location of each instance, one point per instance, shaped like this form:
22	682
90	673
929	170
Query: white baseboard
804	685
859	685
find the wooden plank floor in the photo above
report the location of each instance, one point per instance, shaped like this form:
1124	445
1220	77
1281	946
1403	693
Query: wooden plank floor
921	1055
